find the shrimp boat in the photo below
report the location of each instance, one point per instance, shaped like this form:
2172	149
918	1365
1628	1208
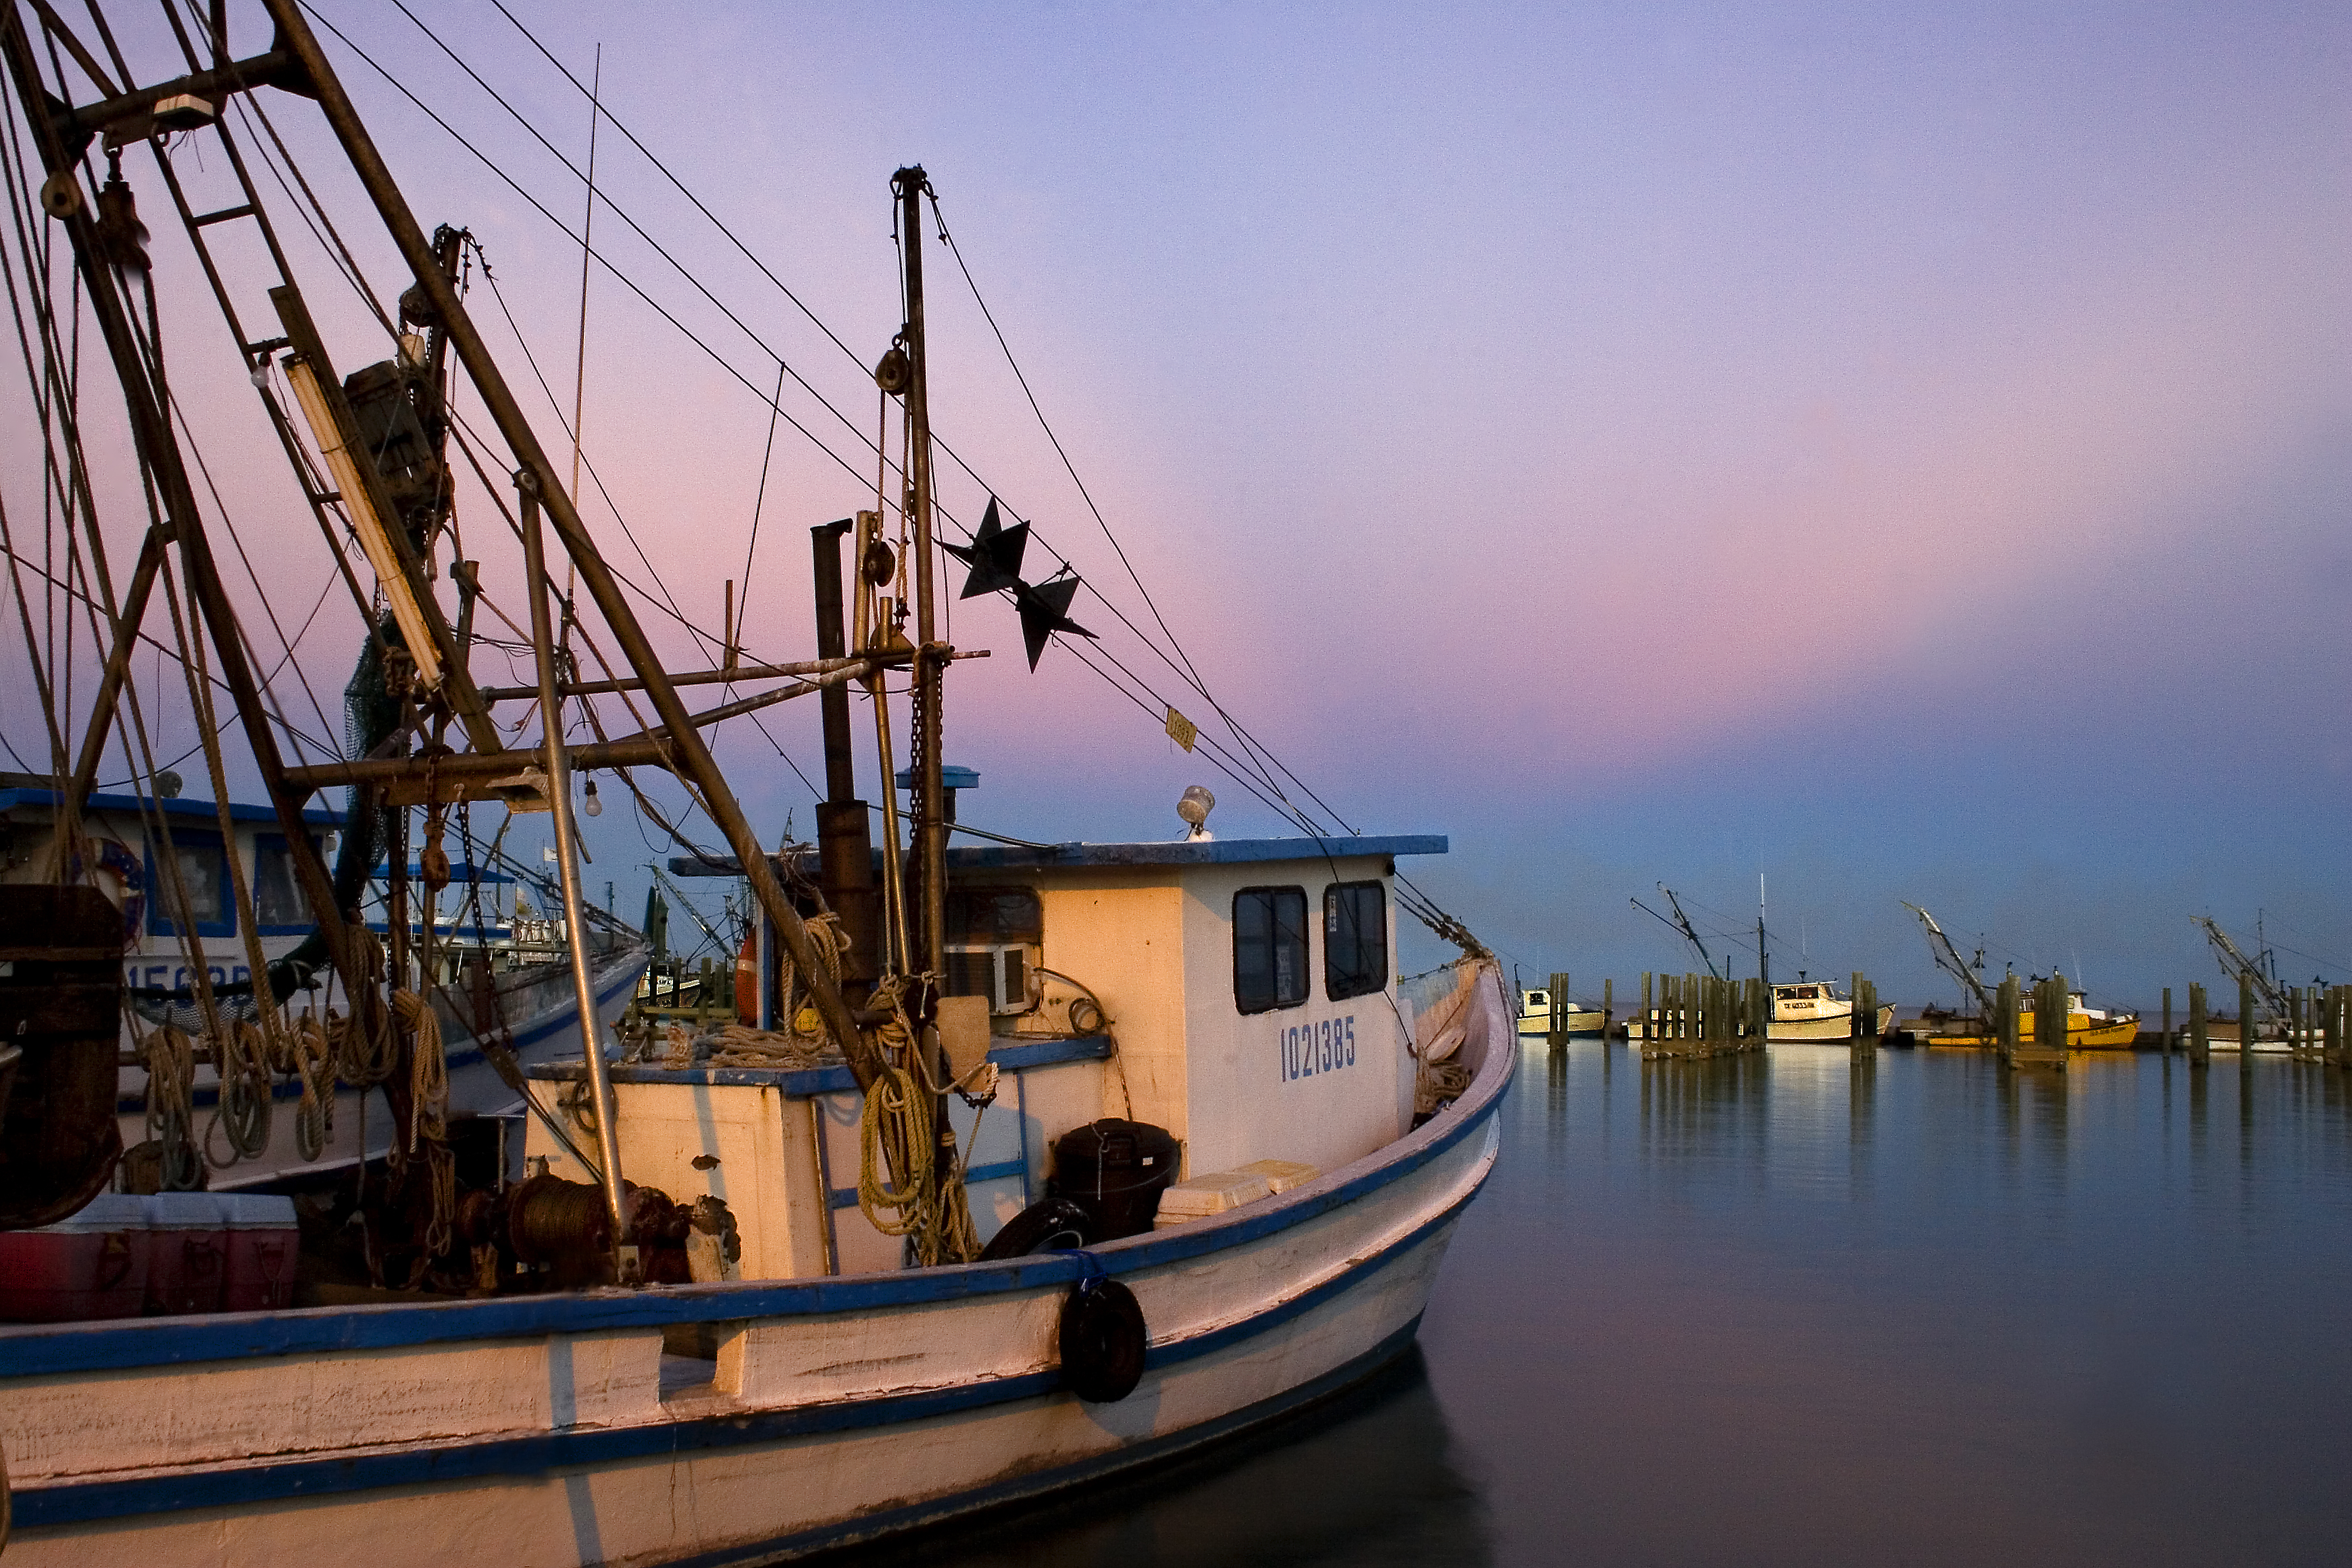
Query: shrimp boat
1806	1009
1535	1015
2087	1028
1030	1164
524	979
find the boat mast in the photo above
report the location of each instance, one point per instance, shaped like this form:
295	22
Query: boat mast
911	184
567	860
2237	966
684	750
1763	962
1948	957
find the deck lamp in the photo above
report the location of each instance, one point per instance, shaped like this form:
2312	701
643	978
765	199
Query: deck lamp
1194	808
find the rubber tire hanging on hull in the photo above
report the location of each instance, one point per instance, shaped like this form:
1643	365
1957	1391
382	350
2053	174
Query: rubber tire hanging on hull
1102	1341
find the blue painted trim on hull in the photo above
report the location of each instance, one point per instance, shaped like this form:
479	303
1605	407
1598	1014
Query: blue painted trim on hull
42	1348
540	1453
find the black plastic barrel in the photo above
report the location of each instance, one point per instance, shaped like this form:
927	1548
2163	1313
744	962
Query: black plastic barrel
1116	1170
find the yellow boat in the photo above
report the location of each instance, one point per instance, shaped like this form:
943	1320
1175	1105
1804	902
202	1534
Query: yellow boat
2087	1029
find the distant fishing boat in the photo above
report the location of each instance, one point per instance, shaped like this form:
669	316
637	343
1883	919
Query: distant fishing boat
1803	1012
1535	1015
1805	1009
2087	1028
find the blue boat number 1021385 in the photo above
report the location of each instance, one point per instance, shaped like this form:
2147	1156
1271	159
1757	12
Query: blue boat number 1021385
1324	1046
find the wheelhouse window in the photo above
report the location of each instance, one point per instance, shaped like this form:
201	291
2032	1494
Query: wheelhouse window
203	868
995	935
1356	939
280	906
1269	948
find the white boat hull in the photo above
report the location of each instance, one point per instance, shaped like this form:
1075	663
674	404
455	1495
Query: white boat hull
553	1431
1583	1023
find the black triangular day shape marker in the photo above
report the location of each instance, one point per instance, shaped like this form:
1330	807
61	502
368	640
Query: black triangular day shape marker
1045	609
993	555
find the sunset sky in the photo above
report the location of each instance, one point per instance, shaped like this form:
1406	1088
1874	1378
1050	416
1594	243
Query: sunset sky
1898	451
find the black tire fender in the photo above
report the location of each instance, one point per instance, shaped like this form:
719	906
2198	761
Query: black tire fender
1102	1341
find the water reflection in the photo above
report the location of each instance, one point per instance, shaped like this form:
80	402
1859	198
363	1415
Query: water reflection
1799	1308
1368	1478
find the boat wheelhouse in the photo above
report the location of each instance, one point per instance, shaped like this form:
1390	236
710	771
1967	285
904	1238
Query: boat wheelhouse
1239	994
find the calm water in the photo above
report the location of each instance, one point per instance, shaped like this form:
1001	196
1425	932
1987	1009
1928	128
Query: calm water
1786	1310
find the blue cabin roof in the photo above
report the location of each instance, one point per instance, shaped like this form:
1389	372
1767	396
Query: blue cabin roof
176	807
1174	852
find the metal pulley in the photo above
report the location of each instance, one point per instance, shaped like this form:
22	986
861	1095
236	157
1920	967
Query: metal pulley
896	372
61	194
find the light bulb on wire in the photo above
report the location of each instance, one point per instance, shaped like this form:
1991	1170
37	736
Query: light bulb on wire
593	807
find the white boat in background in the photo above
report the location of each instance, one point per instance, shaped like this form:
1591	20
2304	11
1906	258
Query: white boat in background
1535	1015
1817	1010
521	1006
1803	1012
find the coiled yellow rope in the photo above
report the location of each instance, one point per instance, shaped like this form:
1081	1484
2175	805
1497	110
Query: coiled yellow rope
897	1126
314	1053
366	1049
428	1125
240	1054
171	1058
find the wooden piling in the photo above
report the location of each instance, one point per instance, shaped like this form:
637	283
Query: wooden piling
2049	1047
1608	1005
2200	1034
2165	1039
1649	1015
1557	1029
2245	1022
2005	1021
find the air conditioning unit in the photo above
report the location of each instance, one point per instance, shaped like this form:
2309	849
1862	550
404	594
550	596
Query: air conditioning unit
1001	973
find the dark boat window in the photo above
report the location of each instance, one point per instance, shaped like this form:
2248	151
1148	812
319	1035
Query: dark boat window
989	917
280	907
1269	948
1355	939
203	872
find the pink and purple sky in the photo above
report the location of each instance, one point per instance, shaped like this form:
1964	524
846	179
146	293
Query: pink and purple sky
1900	450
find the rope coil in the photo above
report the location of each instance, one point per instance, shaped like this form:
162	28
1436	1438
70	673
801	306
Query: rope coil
899	1125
